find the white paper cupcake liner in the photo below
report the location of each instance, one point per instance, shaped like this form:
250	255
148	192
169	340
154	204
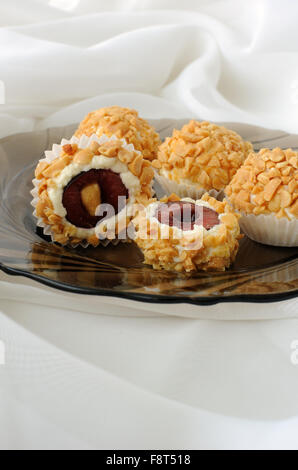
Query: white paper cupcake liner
183	190
269	230
50	155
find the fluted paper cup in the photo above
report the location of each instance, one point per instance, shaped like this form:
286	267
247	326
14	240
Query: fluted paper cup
82	142
269	230
185	190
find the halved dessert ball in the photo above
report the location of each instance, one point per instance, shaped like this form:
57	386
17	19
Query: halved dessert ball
201	157
124	123
187	235
265	192
85	190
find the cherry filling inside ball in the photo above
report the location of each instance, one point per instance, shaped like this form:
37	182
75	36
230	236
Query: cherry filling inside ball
87	191
185	215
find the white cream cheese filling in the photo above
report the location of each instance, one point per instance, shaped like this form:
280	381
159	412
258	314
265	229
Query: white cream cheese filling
188	182
177	232
188	238
100	162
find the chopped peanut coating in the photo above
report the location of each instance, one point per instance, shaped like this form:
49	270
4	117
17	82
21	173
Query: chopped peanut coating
196	250
267	183
203	154
124	123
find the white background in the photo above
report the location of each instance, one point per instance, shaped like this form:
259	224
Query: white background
81	373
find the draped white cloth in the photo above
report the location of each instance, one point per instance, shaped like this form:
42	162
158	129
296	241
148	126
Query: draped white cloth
129	377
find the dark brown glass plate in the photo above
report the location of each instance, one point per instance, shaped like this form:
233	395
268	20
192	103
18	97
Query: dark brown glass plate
260	273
